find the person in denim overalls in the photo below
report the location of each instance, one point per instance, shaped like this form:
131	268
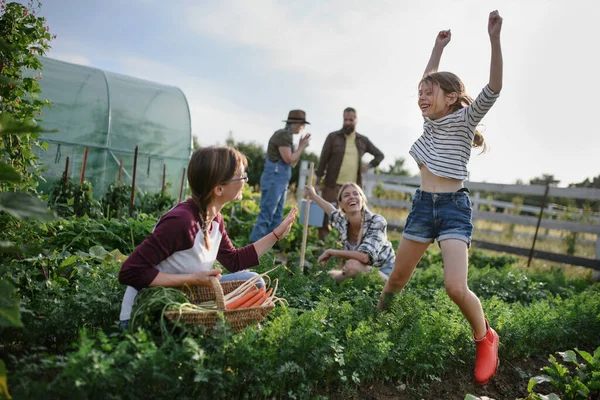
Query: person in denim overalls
280	160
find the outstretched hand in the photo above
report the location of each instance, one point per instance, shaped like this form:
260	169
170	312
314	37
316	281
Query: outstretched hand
323	258
310	192
494	24
443	38
286	225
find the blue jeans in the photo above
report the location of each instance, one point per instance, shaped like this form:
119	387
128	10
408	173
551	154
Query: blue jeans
273	185
235	276
439	216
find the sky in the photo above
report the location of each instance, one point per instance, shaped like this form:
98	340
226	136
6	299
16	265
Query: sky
244	64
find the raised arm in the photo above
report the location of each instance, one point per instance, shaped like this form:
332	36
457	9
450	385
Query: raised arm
263	244
496	64
442	39
324	204
292	158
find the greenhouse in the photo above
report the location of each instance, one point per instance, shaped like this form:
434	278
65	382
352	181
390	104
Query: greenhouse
111	114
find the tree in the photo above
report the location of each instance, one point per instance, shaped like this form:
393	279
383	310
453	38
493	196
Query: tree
24	37
545	179
594	183
397	168
255	155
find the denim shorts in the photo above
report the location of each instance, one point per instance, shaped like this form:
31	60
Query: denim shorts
439	216
387	269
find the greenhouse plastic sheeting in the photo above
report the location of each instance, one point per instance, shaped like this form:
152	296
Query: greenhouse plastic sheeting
110	114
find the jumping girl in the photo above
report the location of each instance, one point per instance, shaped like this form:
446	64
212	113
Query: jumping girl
441	208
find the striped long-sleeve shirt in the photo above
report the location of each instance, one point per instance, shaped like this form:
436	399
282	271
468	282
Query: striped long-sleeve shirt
445	145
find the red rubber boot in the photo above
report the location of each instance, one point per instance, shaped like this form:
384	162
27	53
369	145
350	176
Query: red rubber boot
486	362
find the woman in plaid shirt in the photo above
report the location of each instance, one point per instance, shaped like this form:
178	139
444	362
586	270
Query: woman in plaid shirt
363	234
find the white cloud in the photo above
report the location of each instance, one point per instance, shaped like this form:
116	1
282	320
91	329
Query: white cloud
371	55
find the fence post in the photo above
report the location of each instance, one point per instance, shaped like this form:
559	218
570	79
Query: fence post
162	187
306	212
596	273
476	198
302	176
537	228
67	172
82	176
120	172
132	199
368	185
181	186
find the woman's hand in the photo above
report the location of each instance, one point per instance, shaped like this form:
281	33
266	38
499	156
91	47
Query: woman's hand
495	25
286	225
327	254
310	192
201	278
443	38
304	141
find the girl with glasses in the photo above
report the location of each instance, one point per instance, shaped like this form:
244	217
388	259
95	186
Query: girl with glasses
189	238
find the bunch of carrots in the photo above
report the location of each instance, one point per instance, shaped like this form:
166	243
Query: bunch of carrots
244	296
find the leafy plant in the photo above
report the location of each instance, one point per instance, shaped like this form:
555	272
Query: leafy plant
574	381
116	200
25	36
69	199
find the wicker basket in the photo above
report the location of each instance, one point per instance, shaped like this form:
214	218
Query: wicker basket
239	319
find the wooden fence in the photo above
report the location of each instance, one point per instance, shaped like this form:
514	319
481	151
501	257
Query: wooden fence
406	184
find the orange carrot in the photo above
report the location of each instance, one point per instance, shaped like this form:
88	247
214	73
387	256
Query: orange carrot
253	300
242	299
265	297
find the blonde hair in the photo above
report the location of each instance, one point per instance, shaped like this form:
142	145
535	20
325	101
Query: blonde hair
364	205
209	167
450	83
355	186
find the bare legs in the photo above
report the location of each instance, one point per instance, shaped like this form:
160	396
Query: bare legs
455	255
407	257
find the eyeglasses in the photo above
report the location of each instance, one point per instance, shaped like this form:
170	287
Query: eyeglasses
243	178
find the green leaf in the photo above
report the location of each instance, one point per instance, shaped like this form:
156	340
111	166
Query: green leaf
22	205
8	247
98	252
68	261
3	386
569	356
586	356
536	380
5	80
10	313
551	396
9	125
8	173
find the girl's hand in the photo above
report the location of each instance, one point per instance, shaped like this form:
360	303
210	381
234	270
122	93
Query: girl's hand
327	254
494	24
443	38
286	225
200	278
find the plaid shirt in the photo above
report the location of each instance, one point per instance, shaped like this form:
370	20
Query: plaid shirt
374	241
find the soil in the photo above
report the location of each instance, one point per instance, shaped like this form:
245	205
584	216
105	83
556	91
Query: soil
510	383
